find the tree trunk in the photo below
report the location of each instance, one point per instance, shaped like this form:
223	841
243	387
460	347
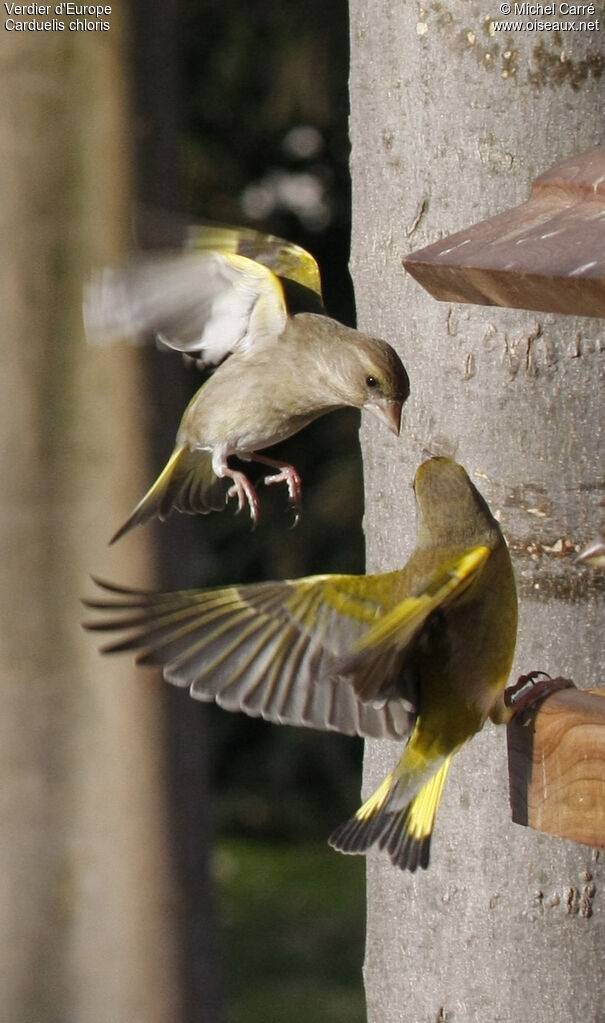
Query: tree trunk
85	891
451	124
158	110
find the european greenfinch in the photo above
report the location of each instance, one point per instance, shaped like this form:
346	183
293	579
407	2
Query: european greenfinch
423	652
251	305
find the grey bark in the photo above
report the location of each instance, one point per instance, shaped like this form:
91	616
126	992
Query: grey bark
85	887
451	124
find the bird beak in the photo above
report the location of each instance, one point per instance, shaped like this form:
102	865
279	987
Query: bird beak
593	554
388	410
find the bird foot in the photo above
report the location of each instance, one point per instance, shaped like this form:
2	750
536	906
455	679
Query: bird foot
530	689
287	474
245	493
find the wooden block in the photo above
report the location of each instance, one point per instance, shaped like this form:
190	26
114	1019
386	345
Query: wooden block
556	761
547	255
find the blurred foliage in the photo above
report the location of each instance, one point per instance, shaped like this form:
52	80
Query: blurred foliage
266	116
293	947
283	783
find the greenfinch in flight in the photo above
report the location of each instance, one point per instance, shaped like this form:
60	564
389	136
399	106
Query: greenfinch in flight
250	305
422	653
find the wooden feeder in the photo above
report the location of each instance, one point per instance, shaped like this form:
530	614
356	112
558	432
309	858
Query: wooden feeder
547	255
556	762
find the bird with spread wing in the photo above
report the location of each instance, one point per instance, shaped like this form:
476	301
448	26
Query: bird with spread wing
422	653
249	304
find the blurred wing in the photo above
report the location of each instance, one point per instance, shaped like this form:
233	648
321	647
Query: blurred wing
377	667
284	258
208	303
260	649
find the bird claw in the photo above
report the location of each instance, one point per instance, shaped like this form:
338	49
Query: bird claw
288	475
245	493
530	689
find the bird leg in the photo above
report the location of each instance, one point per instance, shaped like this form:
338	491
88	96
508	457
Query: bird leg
287	474
245	493
241	488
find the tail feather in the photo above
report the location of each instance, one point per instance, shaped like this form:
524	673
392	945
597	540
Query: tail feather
405	834
363	829
187	483
406	849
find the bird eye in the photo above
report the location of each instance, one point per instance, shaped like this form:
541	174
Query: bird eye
371	381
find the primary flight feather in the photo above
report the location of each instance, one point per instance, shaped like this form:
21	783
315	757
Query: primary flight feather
249	304
422	653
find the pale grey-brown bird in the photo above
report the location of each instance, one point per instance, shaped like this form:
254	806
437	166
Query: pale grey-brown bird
249	304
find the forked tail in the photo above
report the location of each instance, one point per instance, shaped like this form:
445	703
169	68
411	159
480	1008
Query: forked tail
406	833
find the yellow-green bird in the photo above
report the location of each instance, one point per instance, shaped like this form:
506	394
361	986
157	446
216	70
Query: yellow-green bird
251	305
423	652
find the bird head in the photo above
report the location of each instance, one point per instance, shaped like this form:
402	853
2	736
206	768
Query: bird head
373	378
451	508
382	403
345	368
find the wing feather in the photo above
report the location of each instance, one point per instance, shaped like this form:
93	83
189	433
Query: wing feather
284	258
268	649
203	303
376	666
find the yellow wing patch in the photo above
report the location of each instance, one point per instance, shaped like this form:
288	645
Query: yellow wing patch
348	598
284	258
399	625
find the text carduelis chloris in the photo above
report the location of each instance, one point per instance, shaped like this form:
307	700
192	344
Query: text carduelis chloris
249	304
422	653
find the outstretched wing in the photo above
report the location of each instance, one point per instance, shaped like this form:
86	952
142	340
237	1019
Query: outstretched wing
284	258
264	649
225	292
376	666
206	304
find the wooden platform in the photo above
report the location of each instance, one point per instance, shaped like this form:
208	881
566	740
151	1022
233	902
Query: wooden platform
556	759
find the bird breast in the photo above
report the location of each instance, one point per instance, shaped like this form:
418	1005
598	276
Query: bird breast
250	403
